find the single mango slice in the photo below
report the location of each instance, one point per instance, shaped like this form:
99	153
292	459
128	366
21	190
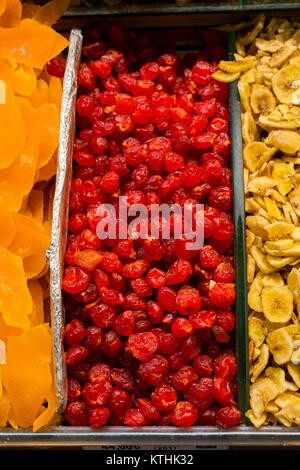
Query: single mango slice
36	291
12	13
15	298
49	132
35	265
49	170
40	93
55	92
7	225
23	80
30	238
6	330
29	385
51	12
13	129
31	43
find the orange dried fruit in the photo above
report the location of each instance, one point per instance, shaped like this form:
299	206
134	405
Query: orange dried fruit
35	204
55	91
40	93
49	170
35	265
49	13
29	238
37	315
29	385
48	414
12	13
29	10
6	330
31	43
49	132
23	80
7	225
5	407
13	129
15	298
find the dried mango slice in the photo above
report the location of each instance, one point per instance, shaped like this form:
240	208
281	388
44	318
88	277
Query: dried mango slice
13	129
23	80
35	265
15	298
49	132
28	386
12	13
6	330
30	238
7	225
36	292
49	170
55	91
31	43
48	414
51	11
40	94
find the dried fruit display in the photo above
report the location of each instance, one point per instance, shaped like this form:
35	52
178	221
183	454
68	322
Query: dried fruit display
267	65
30	95
149	337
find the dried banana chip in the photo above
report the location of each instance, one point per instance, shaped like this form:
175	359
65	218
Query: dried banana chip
285	140
277	303
261	363
281	345
262	99
286	82
262	392
257	330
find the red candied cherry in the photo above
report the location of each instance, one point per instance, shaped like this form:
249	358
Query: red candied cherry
188	300
94	50
166	297
225	229
86	77
140	174
198	125
124	323
143	345
122	378
178	272
226	319
152	371
77	413
191	347
225	366
180	116
176	361
203	364
209	258
184	377
206	108
200	393
142	87
134	418
220	334
208	416
80	371
182	248
84	105
224	272
202	72
101	278
111	343
74	390
186	101
228	416
98	145
203	319
99	372
117	281
155	312
220	198
218	125
155	160
212	171
103	128
124	248
149	71
135	269
182	328
111	296
204	141
74	332
96	393
89	294
125	103
184	414
103	315
133	301
222	144
56	67
191	176
110	262
173	162
76	354
164	397
98	416
119	401
110	182
222	294
101	68
148	409
88	259
93	338
124	123
76	279
153	250
221	390
142	117
77	223
141	287
167	342
156	278
222	246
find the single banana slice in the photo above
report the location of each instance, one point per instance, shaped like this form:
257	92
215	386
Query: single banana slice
256	224
261	261
237	66
294	371
257	422
253	153
285	140
261	363
273	280
257	330
225	77
278	376
261	184
282	54
279	230
283	244
262	99
249	128
286	82
268	46
281	345
262	392
277	304
269	122
254	294
293	282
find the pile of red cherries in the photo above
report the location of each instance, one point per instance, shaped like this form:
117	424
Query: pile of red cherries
149	336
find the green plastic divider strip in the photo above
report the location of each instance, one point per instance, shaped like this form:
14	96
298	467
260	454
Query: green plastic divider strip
239	243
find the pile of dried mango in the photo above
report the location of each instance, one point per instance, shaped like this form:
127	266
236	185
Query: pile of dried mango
29	128
267	66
